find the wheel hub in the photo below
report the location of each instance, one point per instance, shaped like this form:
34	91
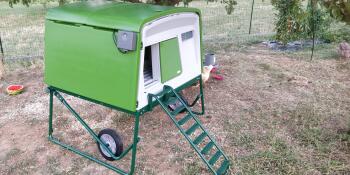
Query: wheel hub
110	143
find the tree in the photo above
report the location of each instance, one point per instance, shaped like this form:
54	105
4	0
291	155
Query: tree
289	24
339	9
295	22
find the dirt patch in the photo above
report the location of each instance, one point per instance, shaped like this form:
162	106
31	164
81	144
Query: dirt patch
272	114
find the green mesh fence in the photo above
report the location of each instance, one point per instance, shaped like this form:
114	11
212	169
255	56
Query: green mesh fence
234	28
22	28
21	31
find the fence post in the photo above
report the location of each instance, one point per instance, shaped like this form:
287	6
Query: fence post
251	17
313	6
2	69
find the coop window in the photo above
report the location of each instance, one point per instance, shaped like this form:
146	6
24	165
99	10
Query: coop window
147	66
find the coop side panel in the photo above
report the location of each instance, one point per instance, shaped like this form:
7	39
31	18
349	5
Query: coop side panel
84	60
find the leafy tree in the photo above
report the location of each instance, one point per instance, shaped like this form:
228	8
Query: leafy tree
290	17
339	9
295	22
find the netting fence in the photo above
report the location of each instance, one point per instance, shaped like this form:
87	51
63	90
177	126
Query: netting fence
22	28
22	31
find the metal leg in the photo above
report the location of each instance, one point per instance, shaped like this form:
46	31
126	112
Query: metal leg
202	96
50	113
132	147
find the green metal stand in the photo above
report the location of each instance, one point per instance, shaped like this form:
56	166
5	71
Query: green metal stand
133	147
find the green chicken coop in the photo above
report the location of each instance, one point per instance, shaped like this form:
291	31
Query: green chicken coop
131	58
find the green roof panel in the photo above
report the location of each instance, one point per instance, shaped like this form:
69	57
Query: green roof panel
113	15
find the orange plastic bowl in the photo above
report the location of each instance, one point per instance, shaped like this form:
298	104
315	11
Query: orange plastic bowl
14	89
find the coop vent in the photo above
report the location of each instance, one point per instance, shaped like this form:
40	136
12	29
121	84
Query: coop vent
187	35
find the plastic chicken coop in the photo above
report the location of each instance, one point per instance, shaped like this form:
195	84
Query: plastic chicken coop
129	57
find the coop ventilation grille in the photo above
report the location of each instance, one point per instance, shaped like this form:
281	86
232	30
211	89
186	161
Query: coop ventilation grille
187	35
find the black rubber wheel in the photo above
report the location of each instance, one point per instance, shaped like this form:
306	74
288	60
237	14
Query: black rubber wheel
112	141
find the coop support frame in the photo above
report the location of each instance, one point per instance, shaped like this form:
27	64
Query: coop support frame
53	91
133	147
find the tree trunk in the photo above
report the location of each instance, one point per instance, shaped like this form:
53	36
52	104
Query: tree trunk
61	2
2	68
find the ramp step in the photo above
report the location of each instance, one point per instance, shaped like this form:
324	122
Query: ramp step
185	119
192	129
200	138
223	168
215	157
207	148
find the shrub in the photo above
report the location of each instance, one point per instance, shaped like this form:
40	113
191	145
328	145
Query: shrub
295	23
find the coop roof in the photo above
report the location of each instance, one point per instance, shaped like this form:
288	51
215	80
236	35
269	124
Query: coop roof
113	15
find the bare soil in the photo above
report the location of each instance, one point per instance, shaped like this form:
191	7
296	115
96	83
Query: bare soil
272	114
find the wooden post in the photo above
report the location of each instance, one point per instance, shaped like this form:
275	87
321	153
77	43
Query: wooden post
2	68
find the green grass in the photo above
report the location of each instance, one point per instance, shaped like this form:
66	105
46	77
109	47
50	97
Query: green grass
279	159
11	165
307	125
192	169
318	150
322	51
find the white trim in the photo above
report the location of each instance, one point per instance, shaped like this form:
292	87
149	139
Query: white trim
162	29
